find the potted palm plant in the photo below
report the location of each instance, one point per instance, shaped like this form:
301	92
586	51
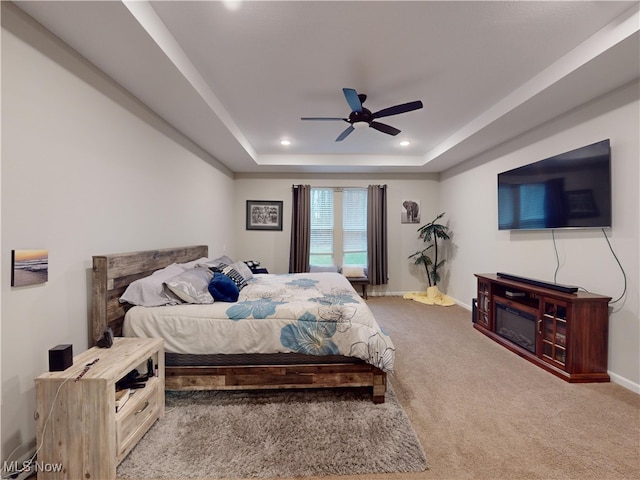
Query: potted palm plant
431	233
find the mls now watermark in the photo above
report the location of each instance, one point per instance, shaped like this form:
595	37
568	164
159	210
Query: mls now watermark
29	466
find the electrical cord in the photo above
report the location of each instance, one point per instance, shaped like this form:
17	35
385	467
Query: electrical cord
555	273
624	275
15	474
555	248
27	463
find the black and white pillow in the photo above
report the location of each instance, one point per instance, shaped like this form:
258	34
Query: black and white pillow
218	267
235	276
243	270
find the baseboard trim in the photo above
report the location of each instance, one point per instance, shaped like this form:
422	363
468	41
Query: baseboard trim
401	294
624	382
385	294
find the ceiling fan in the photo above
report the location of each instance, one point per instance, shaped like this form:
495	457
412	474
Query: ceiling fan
362	117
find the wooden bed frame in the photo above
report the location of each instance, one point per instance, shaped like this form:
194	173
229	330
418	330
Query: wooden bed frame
113	273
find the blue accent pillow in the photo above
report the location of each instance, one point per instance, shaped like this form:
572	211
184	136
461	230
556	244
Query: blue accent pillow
223	289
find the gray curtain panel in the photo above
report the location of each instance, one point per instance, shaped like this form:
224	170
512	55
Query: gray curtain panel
377	234
300	229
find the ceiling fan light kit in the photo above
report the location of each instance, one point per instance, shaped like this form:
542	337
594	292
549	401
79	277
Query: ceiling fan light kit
361	117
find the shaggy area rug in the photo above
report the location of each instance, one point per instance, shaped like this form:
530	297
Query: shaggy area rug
276	434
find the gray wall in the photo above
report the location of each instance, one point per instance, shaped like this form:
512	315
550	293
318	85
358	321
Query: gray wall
85	171
585	257
272	248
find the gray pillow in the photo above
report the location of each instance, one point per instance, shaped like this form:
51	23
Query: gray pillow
191	286
193	263
150	292
217	262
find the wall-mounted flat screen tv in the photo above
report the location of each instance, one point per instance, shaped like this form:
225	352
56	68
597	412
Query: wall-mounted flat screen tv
570	190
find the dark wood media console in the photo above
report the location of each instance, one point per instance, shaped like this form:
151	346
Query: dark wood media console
564	333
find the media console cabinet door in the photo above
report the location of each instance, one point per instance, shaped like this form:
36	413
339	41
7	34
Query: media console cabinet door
484	304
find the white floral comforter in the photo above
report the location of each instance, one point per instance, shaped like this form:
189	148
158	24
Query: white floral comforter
310	313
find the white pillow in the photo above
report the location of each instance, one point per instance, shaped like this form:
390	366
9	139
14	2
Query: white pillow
323	268
149	291
192	286
352	272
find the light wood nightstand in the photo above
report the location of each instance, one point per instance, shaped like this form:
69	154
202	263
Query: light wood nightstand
78	428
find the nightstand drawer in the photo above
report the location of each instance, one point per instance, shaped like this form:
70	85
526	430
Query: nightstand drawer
137	415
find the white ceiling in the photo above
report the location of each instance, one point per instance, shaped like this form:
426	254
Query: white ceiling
237	80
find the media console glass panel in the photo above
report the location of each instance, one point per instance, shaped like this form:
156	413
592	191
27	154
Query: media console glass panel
570	190
517	326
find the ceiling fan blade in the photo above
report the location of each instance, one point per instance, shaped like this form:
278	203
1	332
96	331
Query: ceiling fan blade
324	118
352	99
345	134
395	110
381	127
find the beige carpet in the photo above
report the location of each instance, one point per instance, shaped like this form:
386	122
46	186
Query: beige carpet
482	412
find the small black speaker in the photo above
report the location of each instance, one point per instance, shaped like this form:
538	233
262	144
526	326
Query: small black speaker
474	310
60	358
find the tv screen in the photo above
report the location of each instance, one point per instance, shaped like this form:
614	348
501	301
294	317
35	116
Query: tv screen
570	190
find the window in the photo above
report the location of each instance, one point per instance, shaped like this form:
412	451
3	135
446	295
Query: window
338	226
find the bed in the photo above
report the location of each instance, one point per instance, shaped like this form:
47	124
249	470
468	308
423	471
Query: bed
284	331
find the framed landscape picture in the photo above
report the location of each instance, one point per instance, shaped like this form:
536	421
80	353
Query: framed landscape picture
29	267
264	214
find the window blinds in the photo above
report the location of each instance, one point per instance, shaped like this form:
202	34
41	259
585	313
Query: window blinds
338	226
354	226
321	226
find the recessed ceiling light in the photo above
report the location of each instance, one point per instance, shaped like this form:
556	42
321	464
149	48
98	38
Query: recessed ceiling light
232	4
405	143
285	142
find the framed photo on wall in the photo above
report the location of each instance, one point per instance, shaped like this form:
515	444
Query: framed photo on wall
410	211
29	267
264	214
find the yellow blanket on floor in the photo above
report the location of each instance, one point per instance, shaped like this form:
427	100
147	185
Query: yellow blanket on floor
432	296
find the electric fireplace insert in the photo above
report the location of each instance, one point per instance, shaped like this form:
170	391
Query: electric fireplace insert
516	326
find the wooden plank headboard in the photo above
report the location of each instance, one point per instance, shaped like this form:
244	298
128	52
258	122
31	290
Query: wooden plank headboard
113	273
